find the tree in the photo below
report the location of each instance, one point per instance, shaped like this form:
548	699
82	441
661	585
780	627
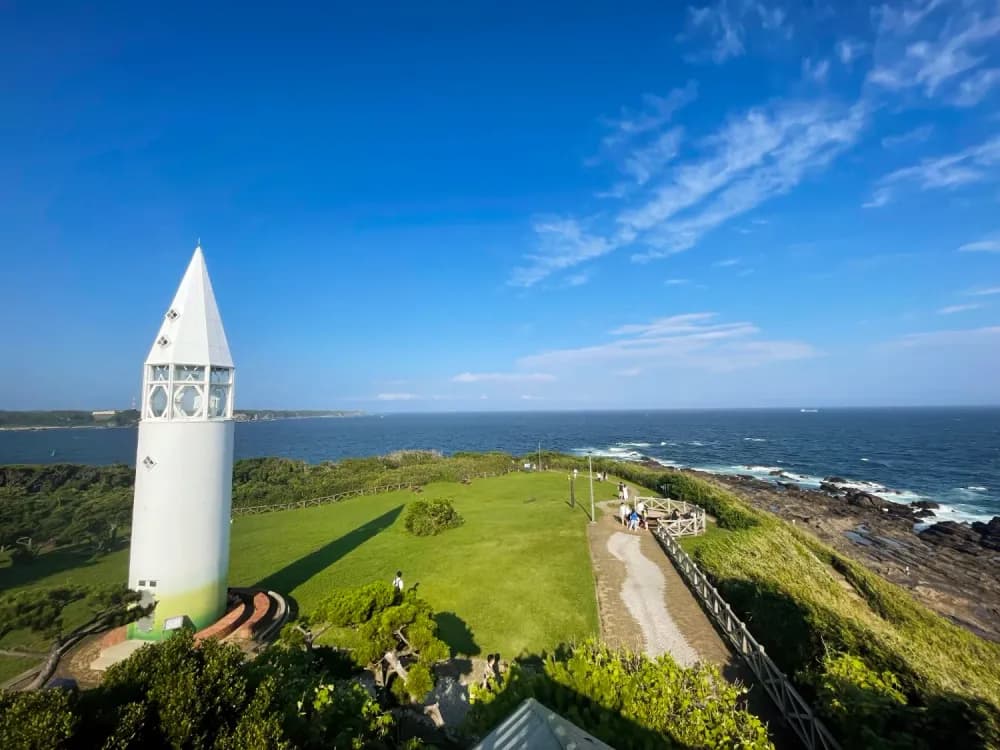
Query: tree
396	634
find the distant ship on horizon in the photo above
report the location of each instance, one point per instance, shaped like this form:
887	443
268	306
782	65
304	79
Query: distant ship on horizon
808	411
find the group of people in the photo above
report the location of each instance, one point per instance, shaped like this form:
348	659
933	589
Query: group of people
632	516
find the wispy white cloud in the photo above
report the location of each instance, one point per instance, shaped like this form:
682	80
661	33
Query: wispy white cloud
849	50
753	158
722	26
937	48
562	244
816	70
529	397
503	377
726	23
677	282
649	160
908	138
952	309
656	111
984	292
397	396
630	372
727	263
975	88
578	279
692	340
986	336
981	246
951	171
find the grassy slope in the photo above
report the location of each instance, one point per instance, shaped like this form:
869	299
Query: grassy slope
517	574
800	596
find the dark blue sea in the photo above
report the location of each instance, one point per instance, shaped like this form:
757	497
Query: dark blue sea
951	455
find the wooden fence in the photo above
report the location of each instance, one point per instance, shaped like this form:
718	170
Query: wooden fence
792	706
690	520
244	510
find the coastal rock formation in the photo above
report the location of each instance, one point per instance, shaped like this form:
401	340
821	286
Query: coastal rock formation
865	500
954	569
989	533
952	534
926	505
963	537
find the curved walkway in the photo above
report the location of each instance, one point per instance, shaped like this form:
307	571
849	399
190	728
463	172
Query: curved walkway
643	602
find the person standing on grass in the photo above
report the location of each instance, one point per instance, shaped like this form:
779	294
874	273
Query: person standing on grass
397	582
623	512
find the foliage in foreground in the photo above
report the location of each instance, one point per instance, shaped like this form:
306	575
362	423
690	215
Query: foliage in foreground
396	635
176	695
627	700
431	517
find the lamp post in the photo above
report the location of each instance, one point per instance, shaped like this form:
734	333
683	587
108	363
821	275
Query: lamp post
590	465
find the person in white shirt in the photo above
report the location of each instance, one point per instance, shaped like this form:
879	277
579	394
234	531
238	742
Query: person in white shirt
625	492
623	513
397	582
640	508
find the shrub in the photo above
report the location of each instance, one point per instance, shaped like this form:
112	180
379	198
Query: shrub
866	708
35	719
354	606
430	517
628	699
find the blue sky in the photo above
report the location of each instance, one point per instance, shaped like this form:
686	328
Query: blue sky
443	206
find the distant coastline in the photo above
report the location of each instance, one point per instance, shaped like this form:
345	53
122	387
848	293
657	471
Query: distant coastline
13	421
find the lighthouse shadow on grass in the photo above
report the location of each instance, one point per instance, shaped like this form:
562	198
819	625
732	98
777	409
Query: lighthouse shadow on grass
296	573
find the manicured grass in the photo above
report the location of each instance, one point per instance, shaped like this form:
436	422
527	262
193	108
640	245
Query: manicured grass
12	666
515	577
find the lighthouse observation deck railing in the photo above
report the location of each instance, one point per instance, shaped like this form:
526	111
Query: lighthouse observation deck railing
793	707
678	517
244	510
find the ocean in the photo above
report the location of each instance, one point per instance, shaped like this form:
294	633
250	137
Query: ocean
949	455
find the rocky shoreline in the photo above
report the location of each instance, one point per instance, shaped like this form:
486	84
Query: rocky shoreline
953	568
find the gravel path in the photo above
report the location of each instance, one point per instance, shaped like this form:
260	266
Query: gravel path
643	595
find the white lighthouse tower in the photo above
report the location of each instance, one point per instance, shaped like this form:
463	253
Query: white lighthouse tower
184	464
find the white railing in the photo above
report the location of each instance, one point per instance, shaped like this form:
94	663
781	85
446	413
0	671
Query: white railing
792	706
679	517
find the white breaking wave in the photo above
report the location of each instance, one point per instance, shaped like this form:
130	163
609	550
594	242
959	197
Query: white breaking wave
636	445
755	440
975	488
960	513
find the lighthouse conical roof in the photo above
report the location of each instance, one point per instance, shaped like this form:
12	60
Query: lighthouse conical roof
192	332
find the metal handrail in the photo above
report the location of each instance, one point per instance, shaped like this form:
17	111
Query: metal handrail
793	707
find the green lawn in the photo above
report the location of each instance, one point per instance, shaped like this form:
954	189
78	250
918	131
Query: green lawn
12	666
515	577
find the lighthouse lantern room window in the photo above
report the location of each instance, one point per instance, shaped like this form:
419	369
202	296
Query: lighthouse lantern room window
188	392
